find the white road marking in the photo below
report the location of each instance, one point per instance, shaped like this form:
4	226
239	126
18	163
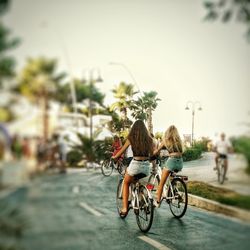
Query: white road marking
94	177
90	209
76	190
154	243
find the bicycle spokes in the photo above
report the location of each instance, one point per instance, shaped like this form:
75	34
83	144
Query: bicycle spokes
177	197
144	215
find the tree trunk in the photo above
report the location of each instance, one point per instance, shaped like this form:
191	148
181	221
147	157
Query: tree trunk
45	117
149	120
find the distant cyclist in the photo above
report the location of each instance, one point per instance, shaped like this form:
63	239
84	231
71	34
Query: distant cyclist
142	147
222	148
116	146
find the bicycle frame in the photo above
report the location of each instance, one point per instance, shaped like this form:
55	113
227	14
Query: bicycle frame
166	188
167	184
221	161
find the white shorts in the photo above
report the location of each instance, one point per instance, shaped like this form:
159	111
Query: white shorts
138	167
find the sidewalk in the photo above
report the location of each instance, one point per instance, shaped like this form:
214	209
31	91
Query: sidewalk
238	181
16	173
202	170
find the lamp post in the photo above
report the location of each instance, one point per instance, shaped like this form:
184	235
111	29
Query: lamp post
68	63
128	71
193	106
92	80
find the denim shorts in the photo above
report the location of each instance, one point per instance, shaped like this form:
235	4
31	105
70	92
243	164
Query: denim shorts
173	163
138	167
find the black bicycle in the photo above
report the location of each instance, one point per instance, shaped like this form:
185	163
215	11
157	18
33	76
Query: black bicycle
109	165
221	170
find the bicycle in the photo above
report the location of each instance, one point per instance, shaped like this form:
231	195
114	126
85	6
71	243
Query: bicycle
174	191
109	165
221	170
140	200
155	176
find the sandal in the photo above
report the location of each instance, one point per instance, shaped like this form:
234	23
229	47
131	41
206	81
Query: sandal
123	214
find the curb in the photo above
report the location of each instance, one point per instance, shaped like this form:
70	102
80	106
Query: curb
217	207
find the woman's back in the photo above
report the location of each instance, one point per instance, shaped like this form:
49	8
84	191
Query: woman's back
140	140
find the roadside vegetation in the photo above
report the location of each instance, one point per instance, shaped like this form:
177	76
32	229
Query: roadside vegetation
219	194
242	145
194	152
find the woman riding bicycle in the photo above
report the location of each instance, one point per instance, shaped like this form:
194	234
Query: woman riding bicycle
142	147
173	144
116	145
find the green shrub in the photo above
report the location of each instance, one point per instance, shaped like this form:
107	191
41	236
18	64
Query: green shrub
202	144
73	158
103	149
242	145
91	151
192	153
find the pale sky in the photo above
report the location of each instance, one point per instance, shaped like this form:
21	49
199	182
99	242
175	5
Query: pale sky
166	45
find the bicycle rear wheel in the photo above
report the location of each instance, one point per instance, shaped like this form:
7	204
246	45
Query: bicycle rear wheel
145	213
179	198
153	183
107	167
119	199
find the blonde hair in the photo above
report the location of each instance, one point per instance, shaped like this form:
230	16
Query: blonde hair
172	140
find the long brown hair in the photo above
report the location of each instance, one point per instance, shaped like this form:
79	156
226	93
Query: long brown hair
172	140
140	140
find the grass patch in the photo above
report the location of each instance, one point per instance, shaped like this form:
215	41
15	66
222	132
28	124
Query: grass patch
219	194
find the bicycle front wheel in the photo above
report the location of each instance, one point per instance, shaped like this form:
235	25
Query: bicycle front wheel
178	199
121	168
145	213
221	173
107	167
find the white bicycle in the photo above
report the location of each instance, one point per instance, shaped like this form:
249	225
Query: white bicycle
174	191
140	200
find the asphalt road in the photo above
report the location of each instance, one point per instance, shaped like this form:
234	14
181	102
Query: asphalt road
78	211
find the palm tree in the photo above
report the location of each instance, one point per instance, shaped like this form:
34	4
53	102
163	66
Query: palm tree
84	92
38	81
7	43
124	93
143	107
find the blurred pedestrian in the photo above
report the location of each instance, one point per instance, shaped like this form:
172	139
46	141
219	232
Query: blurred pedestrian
26	151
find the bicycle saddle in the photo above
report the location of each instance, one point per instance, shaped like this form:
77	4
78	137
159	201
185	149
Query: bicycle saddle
139	176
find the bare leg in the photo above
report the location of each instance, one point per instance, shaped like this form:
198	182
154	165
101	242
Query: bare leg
164	176
125	192
216	161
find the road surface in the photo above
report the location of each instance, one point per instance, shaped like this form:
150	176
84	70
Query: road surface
77	211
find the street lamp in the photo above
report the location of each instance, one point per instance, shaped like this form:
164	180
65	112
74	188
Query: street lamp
128	71
67	61
92	80
193	106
